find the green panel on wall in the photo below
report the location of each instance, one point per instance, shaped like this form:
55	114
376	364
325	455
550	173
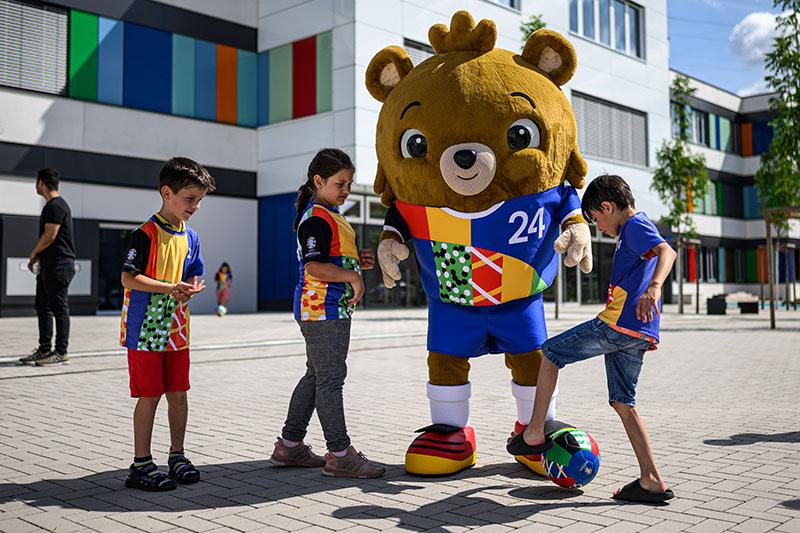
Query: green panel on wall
724	134
751	266
712	131
324	73
83	55
708	200
182	75
280	84
718	186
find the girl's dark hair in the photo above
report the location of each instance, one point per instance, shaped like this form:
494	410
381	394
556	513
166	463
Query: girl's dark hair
606	188
216	276
225	265
326	163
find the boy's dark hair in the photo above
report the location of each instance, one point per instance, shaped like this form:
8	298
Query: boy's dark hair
181	172
606	188
49	178
326	163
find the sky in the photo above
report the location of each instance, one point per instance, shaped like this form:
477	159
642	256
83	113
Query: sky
722	42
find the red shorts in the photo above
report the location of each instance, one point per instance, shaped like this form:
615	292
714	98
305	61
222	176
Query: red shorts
154	373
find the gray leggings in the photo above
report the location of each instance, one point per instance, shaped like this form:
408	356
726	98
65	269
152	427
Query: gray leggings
327	342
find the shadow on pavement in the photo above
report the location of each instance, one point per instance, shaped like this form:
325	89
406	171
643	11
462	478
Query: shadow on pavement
252	482
792	504
743	439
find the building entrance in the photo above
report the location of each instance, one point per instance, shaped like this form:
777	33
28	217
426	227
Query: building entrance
114	239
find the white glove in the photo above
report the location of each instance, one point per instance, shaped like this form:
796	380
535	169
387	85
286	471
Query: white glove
390	253
576	241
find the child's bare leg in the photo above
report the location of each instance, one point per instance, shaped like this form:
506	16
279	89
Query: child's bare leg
545	385
144	415
649	477
178	412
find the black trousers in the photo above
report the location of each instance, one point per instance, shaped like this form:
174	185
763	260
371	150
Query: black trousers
51	302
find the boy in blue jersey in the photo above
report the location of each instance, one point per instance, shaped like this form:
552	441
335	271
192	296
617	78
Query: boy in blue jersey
623	331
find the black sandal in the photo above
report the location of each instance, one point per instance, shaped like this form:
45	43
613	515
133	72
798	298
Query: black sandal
148	478
182	470
518	446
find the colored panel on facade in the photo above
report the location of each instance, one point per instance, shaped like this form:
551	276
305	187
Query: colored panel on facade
148	68
183	75
226	84
722	265
716	137
205	80
692	270
304	77
718	190
280	84
263	89
762	137
277	279
747	139
708	203
324	72
713	139
82	55
110	57
751	266
246	88
724	134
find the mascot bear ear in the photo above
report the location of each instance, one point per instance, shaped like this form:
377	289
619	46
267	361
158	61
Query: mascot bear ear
552	53
386	69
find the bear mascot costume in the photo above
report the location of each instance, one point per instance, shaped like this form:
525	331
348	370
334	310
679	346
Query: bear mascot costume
478	164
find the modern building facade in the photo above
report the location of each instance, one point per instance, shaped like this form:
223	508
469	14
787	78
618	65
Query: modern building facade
107	90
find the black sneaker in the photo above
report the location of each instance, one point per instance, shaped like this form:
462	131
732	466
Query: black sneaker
182	470
147	477
34	356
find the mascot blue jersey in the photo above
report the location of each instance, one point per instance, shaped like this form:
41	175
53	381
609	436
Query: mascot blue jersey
487	258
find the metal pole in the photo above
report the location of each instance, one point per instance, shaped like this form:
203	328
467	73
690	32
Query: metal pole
558	284
697	277
786	294
770	273
680	277
761	276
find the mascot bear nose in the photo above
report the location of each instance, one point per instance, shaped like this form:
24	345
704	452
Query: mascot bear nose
465	158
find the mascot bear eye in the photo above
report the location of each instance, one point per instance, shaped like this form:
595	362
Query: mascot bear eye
523	133
413	144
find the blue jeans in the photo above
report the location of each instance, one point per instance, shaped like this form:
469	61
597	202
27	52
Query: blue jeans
624	355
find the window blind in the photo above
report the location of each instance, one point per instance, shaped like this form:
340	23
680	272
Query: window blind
609	130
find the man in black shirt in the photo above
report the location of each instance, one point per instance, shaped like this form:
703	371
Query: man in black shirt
53	262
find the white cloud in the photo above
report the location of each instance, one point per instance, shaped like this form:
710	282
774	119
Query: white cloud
755	88
752	38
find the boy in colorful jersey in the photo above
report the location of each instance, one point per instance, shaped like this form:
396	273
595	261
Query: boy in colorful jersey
160	276
623	331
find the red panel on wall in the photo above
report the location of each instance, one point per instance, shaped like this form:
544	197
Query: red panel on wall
747	139
692	265
226	84
304	77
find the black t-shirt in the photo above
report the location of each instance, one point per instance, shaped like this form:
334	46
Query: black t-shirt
315	237
56	211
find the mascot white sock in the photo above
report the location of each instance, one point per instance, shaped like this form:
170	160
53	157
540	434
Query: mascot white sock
450	404
525	397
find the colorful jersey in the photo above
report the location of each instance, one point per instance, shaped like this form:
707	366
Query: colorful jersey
498	255
631	273
158	322
223	280
324	235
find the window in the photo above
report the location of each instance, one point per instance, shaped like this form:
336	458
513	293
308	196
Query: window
700	129
417	51
33	46
609	21
609	130
513	4
738	266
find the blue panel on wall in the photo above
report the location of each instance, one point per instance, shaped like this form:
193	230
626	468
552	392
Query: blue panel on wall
263	88
722	269
246	88
277	252
148	68
762	137
182	75
716	140
205	81
110	45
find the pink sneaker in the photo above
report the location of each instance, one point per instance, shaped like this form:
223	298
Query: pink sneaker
300	455
354	464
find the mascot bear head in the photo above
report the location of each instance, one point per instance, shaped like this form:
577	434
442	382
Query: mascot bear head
474	125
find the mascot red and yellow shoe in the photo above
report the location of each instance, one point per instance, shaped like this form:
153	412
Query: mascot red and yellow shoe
441	450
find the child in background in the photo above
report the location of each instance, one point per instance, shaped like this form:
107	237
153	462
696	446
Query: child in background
160	275
626	329
223	279
330	285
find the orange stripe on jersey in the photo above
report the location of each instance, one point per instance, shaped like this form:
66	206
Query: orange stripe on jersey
151	229
335	241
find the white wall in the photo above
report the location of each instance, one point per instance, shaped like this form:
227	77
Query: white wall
228	228
57	122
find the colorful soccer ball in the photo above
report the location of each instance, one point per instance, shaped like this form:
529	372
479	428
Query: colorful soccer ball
221	311
573	460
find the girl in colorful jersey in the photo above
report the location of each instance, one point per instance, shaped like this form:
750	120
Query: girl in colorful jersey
329	287
223	279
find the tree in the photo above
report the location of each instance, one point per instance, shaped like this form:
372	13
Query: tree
778	179
681	176
527	28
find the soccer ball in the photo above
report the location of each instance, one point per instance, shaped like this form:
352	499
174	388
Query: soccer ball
573	460
221	311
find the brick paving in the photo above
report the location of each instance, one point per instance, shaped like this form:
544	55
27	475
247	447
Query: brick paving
720	397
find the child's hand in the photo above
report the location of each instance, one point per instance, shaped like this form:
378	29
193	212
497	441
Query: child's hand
648	303
366	258
358	290
184	291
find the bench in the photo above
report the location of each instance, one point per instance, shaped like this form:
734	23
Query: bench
718	304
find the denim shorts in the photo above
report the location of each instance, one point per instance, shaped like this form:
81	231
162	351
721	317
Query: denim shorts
624	355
